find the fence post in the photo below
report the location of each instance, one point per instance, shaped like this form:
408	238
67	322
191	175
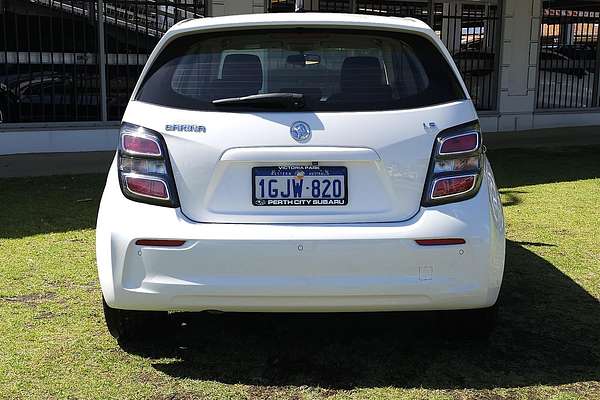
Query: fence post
102	62
431	13
596	87
497	46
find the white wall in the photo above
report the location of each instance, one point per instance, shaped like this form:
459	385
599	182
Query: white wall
518	64
57	140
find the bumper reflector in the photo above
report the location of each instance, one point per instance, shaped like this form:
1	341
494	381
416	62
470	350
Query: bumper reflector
440	242
160	242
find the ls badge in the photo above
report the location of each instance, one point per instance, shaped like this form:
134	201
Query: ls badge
431	128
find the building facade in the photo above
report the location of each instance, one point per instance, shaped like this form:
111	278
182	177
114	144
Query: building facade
67	67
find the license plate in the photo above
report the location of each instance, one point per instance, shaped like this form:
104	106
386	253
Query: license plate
309	185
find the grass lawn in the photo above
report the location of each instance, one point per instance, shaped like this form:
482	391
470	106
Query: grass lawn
53	342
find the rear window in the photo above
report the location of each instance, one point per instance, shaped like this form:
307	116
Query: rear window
335	70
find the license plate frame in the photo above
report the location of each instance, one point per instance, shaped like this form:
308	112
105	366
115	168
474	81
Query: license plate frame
292	171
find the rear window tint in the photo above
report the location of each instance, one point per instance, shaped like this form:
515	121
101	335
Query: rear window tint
335	70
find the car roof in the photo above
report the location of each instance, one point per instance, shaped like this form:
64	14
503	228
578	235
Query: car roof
301	20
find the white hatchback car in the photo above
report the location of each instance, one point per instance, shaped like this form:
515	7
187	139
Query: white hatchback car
299	163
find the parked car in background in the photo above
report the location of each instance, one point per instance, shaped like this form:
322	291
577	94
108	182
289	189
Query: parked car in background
554	61
41	96
475	58
5	101
580	51
299	163
72	95
475	63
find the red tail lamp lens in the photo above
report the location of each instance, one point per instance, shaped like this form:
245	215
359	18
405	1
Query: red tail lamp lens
147	187
460	144
140	145
439	242
160	242
451	186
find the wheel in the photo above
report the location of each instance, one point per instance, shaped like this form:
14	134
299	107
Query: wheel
129	325
471	324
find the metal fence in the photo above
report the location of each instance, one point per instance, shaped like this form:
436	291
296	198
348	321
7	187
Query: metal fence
52	62
416	9
470	30
132	29
274	6
335	5
57	63
569	67
49	61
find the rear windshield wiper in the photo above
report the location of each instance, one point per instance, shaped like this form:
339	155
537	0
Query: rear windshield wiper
292	100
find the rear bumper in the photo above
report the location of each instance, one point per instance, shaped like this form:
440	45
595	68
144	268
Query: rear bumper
272	268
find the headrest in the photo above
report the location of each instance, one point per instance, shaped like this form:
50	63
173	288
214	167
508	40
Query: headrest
361	72
243	69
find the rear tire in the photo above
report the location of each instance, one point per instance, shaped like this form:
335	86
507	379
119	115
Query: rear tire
130	325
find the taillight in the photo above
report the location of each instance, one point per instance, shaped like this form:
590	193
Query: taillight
144	170
458	144
456	163
140	144
146	186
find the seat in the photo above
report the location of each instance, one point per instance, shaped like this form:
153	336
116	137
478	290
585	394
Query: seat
242	75
362	80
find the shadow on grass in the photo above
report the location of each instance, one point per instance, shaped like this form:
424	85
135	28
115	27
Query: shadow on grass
31	206
547	334
511	197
